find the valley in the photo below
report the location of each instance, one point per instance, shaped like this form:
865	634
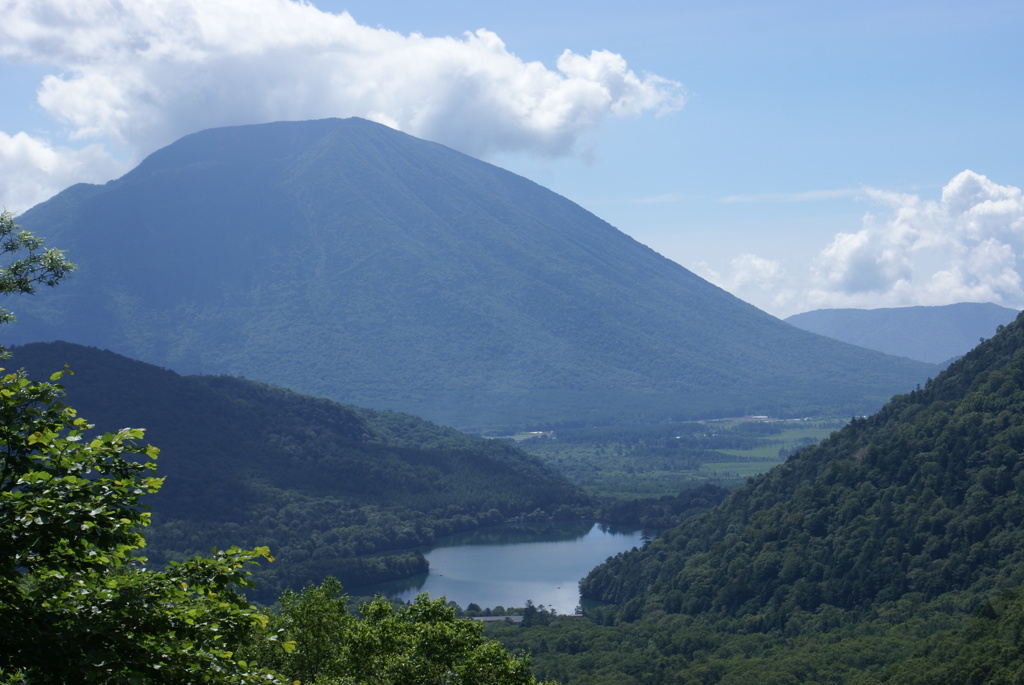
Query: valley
336	490
624	462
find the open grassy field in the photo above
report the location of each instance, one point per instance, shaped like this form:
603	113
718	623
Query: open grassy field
664	459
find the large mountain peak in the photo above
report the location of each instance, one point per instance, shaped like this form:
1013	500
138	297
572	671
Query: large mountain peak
345	259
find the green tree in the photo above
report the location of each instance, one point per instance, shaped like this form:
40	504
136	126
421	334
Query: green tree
422	643
76	605
28	262
308	635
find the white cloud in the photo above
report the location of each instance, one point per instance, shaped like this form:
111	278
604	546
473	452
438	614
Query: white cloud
967	246
964	247
31	170
139	75
747	271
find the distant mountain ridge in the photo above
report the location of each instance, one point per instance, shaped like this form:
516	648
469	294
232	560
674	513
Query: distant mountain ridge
930	334
343	259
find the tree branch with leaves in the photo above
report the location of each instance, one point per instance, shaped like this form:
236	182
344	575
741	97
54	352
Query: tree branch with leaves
76	603
26	263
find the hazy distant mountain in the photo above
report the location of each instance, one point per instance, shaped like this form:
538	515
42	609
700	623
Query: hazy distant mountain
928	334
344	259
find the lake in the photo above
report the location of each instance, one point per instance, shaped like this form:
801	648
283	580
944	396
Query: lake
507	565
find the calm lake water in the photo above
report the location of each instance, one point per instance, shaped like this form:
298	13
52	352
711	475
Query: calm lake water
508	565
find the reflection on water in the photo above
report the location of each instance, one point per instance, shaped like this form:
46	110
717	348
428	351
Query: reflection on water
507	565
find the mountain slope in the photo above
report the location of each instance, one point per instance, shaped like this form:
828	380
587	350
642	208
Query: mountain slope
929	334
341	258
925	497
250	464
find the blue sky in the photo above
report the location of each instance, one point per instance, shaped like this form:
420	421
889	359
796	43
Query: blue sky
799	154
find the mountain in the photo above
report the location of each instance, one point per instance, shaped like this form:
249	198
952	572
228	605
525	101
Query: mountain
343	259
250	464
930	334
922	499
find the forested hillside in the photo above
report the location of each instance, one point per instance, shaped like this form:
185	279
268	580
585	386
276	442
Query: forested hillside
317	482
892	552
925	497
344	259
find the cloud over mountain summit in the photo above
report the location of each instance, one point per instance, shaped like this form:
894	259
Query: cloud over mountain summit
138	75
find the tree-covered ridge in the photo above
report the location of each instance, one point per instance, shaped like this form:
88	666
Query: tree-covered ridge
318	482
343	259
924	498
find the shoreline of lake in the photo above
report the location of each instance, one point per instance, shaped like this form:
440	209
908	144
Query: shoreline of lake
509	564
